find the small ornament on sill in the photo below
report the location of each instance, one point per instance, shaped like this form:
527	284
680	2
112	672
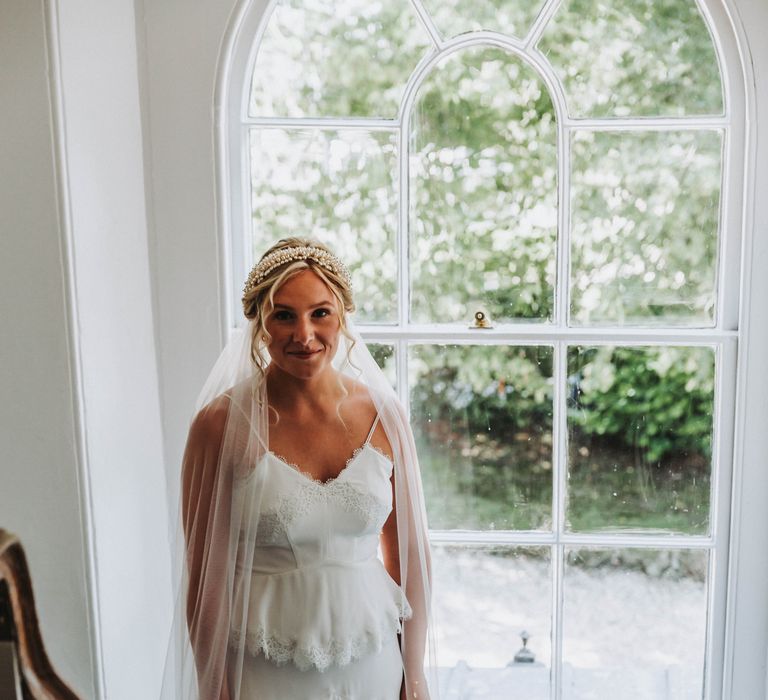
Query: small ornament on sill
525	655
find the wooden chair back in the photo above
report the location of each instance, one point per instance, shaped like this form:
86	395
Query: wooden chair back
35	677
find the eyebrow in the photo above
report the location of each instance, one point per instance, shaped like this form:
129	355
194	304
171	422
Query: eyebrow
313	306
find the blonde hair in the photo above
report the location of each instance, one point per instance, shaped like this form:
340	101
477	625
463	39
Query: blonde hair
259	301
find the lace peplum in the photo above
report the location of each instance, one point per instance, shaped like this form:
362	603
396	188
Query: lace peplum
316	593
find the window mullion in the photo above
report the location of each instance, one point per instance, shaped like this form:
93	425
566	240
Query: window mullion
723	563
428	24
330	123
557	557
403	267
541	22
403	232
559	486
562	274
534	538
537	334
647	123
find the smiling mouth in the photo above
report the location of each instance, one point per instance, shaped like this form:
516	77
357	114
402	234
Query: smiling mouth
304	354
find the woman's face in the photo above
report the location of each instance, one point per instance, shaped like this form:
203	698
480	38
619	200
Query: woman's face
304	326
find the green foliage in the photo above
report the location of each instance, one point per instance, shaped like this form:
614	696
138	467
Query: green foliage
483	200
657	400
511	17
482	227
634	58
336	58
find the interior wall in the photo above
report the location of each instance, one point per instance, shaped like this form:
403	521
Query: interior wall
747	663
82	459
179	57
40	494
101	136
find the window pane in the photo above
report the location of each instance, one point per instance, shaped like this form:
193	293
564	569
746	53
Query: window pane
338	187
634	624
482	419
634	58
483	197
645	213
386	359
453	17
640	424
489	595
341	58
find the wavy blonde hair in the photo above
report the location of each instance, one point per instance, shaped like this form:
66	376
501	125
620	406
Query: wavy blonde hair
259	301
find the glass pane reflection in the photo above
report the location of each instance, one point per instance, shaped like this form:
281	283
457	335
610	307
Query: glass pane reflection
640	423
634	58
482	419
487	596
645	220
634	624
512	17
483	191
386	359
336	58
338	186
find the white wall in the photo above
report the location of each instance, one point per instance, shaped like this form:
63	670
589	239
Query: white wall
83	473
40	496
180	50
101	134
749	571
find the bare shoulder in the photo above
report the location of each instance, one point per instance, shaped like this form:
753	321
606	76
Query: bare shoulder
359	399
363	407
209	423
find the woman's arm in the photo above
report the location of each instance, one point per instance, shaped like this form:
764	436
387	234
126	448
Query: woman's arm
417	591
206	503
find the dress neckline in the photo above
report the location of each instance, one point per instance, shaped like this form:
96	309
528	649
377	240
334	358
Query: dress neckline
347	464
327	482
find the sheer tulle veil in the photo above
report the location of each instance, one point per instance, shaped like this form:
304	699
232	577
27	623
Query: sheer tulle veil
215	522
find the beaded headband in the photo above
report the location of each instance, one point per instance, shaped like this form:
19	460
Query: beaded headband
285	255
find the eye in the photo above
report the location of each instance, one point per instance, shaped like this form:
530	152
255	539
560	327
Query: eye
322	313
281	315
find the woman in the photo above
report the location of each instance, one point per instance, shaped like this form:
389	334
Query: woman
299	463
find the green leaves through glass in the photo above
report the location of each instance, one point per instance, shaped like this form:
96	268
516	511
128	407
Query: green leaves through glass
644	226
640	423
336	58
483	191
338	186
633	58
511	17
482	419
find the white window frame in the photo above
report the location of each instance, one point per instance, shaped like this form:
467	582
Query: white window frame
726	337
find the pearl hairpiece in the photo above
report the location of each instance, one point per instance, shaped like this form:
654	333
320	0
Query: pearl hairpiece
285	255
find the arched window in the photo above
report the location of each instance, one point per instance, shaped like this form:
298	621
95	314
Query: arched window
539	205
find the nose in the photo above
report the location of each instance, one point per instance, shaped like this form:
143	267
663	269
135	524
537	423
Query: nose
303	333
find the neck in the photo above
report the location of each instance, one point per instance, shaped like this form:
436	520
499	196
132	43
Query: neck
290	394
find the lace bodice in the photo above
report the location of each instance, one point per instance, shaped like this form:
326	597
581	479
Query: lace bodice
365	509
317	593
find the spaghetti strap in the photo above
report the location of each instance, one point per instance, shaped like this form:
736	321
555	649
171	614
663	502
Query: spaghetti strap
373	427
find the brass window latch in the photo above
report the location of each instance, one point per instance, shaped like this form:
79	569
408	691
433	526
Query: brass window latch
481	320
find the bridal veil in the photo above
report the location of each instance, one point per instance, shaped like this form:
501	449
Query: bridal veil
214	527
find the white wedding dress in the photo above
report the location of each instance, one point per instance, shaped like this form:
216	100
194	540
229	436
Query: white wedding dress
322	612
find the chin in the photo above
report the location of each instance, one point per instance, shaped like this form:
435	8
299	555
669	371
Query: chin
304	368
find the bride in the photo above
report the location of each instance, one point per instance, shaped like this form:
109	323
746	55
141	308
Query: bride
304	570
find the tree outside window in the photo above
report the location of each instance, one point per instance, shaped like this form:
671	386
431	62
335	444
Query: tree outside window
557	166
